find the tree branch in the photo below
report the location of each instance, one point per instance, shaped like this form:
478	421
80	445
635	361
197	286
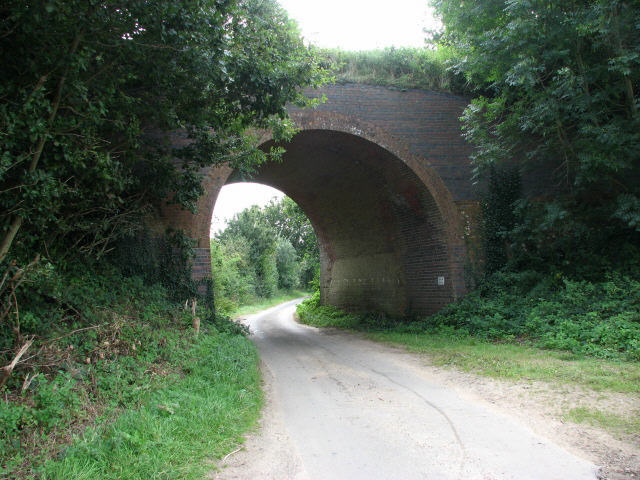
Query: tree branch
16	223
6	371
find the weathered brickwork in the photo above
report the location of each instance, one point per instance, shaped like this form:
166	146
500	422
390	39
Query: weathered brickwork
385	178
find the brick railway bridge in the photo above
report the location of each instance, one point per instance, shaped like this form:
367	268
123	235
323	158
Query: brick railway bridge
385	178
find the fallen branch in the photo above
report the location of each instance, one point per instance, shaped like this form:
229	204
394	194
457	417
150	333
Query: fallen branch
49	342
232	453
7	370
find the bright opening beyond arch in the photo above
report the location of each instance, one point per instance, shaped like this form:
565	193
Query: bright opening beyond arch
235	197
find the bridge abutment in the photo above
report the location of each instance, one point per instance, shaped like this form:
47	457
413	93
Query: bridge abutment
384	176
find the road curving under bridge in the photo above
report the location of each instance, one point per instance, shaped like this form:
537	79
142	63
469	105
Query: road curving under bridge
340	407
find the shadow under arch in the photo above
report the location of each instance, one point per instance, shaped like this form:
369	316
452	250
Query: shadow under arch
388	229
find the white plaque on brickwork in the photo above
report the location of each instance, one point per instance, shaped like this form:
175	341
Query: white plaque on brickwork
441	281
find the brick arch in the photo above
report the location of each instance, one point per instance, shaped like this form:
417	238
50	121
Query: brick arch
453	222
388	227
416	182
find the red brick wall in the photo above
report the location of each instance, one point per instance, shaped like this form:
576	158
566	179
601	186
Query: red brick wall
385	178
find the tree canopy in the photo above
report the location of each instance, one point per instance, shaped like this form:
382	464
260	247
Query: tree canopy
556	88
89	90
559	82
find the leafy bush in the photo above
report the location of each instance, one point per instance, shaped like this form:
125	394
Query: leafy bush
158	259
267	274
287	265
599	319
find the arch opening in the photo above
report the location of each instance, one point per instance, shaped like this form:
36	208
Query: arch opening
383	241
235	197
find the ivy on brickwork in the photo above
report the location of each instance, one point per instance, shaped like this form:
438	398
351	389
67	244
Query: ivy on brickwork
165	260
503	190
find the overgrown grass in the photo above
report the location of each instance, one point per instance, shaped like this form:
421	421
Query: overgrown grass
120	385
264	303
517	362
403	68
195	415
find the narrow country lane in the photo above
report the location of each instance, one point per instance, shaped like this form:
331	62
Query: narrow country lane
340	407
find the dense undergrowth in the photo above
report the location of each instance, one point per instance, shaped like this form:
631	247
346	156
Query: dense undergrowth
598	319
115	354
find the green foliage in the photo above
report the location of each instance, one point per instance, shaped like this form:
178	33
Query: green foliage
287	265
267	274
600	319
556	86
311	312
586	318
573	238
562	78
107	110
164	260
107	341
89	90
405	67
220	381
53	403
498	215
292	225
261	251
628	211
234	278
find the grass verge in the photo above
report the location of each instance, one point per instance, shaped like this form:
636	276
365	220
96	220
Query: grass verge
446	346
517	362
608	421
118	385
187	418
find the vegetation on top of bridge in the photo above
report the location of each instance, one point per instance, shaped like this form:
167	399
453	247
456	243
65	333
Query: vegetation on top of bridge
403	68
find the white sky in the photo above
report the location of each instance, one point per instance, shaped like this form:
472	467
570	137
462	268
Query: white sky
344	24
362	24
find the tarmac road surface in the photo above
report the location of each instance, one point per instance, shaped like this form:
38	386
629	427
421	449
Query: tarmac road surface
341	407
